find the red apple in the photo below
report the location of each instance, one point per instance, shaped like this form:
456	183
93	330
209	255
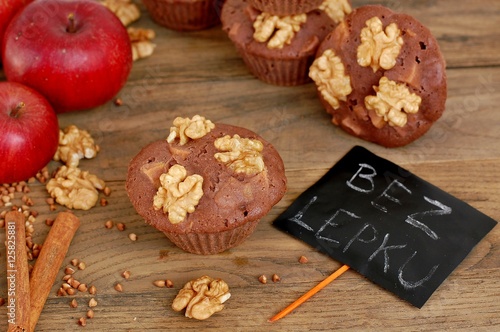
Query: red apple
8	8
29	132
75	53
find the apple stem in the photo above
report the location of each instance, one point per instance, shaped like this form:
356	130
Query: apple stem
71	23
17	110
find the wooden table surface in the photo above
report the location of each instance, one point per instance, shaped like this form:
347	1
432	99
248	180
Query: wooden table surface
201	73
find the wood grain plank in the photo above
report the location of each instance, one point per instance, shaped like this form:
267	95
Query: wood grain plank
201	73
468	296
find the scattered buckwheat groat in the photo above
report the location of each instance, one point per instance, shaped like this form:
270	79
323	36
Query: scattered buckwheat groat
303	259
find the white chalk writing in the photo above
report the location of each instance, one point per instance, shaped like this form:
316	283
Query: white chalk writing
389	197
384	248
414	222
411	285
329	222
368	177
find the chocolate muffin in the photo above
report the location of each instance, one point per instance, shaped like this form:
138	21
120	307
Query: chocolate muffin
381	76
285	7
184	15
206	192
283	54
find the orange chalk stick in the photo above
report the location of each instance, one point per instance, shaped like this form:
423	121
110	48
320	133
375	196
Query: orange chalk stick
310	293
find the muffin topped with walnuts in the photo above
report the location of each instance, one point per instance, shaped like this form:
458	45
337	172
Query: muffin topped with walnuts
382	76
207	185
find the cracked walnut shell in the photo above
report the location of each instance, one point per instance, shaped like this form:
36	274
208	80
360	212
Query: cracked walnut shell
202	297
178	194
74	188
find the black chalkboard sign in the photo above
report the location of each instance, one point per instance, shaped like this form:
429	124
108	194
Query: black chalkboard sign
391	226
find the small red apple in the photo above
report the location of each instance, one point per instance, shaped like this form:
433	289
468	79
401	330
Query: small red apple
8	8
75	53
29	132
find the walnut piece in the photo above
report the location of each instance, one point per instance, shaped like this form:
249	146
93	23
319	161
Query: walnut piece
75	144
179	194
328	72
393	102
186	128
379	48
125	10
277	31
336	9
202	297
74	188
140	39
242	155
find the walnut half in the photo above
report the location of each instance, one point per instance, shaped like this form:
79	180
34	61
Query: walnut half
393	102
75	144
277	31
178	194
379	48
336	9
140	40
242	155
74	188
328	72
126	10
186	129
202	297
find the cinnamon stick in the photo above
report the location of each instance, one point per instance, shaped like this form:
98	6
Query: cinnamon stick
18	291
49	262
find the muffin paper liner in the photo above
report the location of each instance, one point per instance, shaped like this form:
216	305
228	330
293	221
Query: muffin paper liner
212	243
283	72
285	7
183	15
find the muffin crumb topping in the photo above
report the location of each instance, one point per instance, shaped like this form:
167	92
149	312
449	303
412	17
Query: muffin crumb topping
393	102
379	48
179	194
277	31
186	129
242	155
328	72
